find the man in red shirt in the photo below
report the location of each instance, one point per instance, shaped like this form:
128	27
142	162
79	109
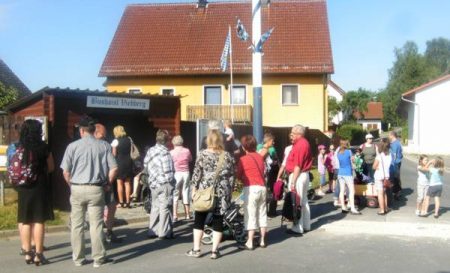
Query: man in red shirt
298	164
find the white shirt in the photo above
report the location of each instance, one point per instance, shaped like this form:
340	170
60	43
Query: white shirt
422	178
287	151
384	162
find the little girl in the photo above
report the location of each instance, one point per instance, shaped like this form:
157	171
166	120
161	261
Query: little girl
228	131
435	189
321	169
330	168
422	182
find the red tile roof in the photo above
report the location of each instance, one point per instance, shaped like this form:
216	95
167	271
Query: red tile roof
177	39
426	85
374	111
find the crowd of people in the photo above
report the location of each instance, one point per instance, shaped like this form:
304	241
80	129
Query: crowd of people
100	176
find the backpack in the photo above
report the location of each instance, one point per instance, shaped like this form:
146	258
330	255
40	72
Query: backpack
292	209
10	151
20	173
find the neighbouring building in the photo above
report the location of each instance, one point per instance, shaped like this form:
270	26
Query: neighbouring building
338	93
371	119
175	49
9	79
427	105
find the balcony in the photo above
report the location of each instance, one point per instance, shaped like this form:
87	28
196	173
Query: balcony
237	113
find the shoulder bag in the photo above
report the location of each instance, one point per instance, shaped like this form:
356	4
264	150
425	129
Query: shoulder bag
203	199
134	151
386	182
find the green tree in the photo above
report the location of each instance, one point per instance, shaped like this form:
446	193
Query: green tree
437	54
355	101
8	95
410	70
333	107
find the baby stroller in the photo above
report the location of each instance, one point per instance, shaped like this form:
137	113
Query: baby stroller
233	222
146	197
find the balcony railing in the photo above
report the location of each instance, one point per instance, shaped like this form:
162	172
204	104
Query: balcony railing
237	113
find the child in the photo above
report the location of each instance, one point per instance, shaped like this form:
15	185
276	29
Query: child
422	182
435	189
321	158
330	168
228	131
359	164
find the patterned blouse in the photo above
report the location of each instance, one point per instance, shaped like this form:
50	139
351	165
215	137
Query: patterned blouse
203	177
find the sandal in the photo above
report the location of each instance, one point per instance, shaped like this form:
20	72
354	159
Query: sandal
40	259
193	253
381	213
215	254
245	247
29	257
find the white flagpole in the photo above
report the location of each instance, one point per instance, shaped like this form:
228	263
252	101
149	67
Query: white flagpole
231	75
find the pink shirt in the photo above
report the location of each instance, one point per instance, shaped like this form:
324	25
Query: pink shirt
181	157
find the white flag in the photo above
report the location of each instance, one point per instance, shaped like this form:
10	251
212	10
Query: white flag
225	53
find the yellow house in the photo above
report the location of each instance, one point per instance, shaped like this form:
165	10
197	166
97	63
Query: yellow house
175	49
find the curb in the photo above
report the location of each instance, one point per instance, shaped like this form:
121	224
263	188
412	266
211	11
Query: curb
5	234
352	227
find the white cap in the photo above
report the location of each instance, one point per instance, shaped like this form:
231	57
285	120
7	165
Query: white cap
369	135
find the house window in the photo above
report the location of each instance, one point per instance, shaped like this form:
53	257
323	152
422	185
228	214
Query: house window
134	91
168	92
212	95
289	94
238	94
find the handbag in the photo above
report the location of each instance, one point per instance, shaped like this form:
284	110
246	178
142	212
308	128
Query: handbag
204	199
134	151
386	182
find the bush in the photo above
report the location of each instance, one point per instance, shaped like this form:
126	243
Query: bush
353	132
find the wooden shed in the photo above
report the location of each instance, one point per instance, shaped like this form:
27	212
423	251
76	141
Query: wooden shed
60	109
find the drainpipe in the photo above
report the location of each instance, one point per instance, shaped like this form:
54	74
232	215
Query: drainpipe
418	120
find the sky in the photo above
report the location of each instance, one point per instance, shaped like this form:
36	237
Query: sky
63	43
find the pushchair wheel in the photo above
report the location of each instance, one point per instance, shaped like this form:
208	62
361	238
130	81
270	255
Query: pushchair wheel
240	235
207	236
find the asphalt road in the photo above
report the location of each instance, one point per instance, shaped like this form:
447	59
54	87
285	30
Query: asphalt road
316	251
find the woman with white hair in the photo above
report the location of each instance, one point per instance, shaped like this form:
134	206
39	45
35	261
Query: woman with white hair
181	158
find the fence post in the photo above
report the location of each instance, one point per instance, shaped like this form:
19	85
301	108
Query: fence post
2	192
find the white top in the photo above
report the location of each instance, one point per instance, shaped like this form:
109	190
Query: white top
287	151
114	143
422	177
229	132
384	162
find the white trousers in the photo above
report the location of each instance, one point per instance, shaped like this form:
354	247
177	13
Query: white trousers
301	186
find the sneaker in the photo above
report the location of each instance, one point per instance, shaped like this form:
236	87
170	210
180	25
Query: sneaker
320	193
81	263
193	253
336	203
417	212
103	262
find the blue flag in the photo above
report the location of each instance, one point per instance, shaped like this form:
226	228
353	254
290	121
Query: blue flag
225	53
